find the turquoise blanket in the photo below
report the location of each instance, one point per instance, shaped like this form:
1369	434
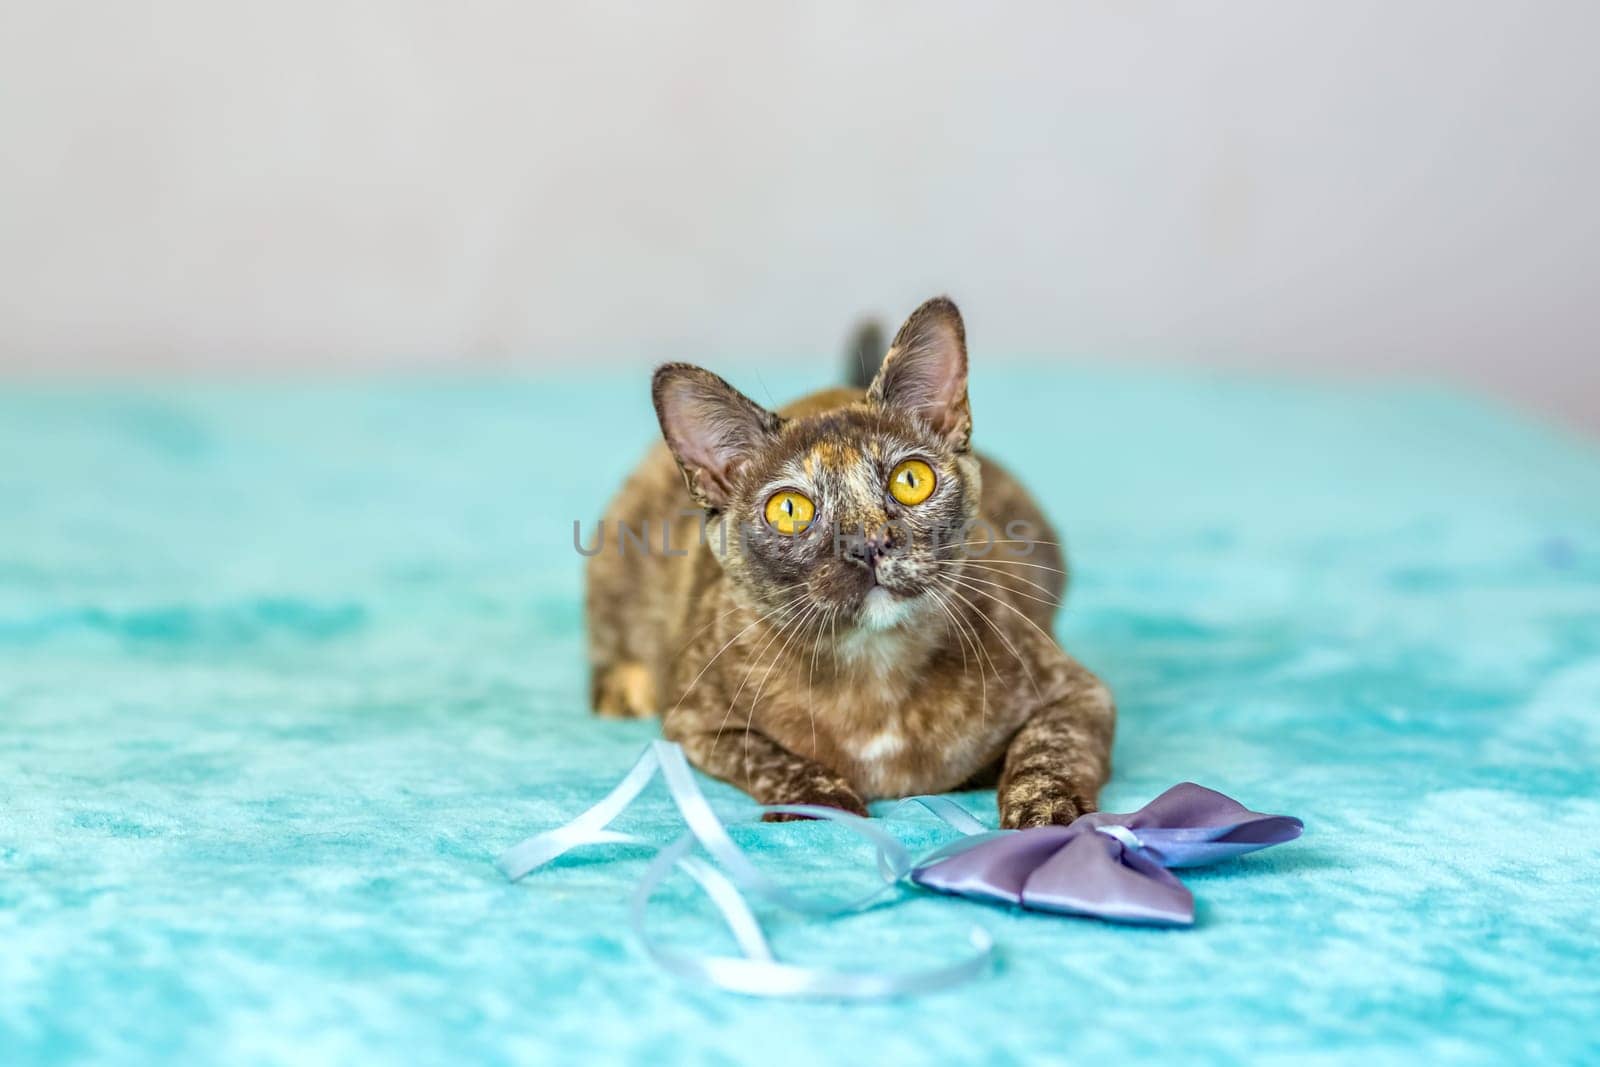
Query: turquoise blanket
283	668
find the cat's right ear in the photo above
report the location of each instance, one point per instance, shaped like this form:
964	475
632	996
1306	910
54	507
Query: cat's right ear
711	428
925	372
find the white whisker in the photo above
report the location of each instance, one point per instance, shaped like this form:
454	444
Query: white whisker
964	578
978	653
799	627
996	569
1005	562
1018	612
1003	640
788	613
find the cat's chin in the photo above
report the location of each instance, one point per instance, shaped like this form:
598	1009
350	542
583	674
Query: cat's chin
882	610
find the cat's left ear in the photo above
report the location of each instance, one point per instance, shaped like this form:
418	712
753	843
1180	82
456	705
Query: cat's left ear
711	428
925	372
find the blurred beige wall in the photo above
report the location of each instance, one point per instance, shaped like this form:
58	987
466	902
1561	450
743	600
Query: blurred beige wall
1398	188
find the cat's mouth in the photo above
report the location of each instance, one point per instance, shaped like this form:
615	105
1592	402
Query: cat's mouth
883	607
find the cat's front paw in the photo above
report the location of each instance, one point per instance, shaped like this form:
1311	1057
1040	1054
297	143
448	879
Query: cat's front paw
1042	801
624	690
821	795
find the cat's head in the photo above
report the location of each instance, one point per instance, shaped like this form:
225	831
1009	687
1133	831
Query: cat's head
854	514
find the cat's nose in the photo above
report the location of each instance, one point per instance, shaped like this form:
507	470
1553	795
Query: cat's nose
867	550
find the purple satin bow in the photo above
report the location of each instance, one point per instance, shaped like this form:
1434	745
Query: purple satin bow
1107	865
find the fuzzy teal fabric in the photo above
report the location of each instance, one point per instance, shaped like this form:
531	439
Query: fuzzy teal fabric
283	668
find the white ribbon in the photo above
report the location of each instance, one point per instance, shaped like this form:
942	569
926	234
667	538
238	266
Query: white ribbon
758	972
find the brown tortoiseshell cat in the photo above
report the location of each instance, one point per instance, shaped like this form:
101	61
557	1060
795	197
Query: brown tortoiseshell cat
809	617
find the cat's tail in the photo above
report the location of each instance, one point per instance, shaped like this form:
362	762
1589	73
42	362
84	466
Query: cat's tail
865	353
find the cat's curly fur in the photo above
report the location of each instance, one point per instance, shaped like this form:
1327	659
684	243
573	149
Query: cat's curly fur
831	668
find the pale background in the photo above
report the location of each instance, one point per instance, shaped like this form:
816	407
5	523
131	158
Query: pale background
1343	188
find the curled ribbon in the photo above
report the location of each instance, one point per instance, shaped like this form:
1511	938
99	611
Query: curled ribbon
1103	865
757	972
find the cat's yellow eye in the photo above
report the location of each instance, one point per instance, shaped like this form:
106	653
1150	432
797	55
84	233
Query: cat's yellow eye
790	512
911	482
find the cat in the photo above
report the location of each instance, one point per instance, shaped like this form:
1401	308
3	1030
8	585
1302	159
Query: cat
804	598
